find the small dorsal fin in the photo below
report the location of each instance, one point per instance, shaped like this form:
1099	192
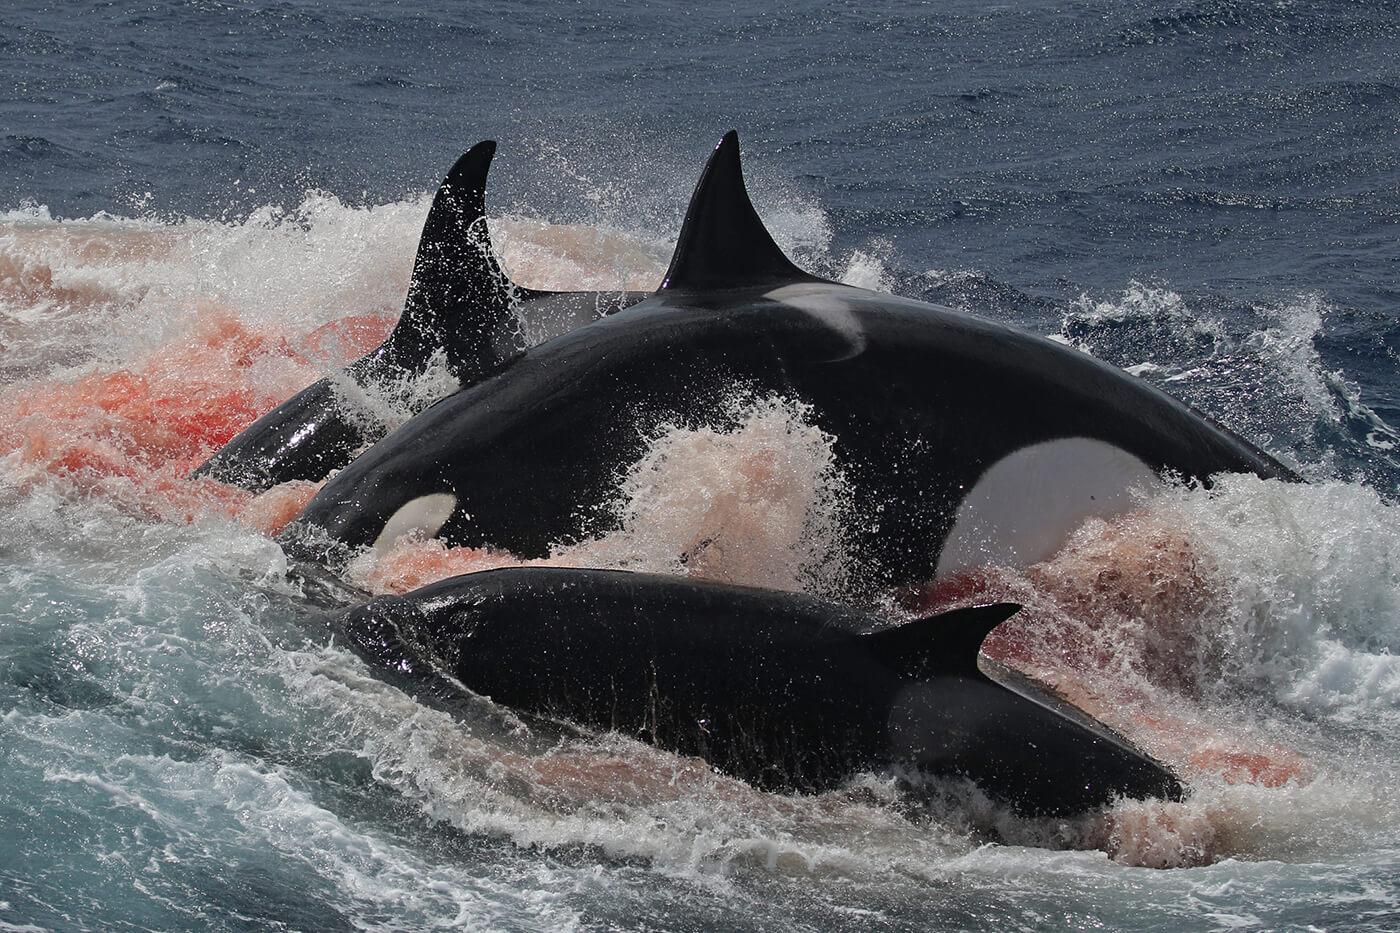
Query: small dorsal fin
723	243
946	643
459	299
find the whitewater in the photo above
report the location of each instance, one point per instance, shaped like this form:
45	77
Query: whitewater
207	208
171	705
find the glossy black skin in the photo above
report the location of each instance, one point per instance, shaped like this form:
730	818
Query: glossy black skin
784	691
461	308
933	399
921	399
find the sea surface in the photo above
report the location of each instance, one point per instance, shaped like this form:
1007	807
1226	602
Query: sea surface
204	206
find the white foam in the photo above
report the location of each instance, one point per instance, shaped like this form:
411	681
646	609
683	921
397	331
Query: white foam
1313	576
1306	637
756	501
869	270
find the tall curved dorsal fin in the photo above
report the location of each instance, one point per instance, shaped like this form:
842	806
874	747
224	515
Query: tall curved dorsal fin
946	643
459	299
723	243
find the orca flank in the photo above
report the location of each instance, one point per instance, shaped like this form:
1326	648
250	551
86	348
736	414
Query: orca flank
787	692
922	401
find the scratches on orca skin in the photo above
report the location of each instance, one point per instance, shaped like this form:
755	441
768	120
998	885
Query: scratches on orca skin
827	304
424	515
1024	506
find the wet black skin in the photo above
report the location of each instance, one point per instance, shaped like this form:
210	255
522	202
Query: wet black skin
787	692
920	399
461	310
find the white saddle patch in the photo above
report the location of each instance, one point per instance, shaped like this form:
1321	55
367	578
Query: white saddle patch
425	514
1025	505
827	304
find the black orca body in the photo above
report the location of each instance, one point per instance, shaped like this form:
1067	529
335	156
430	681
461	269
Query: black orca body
961	441
461	310
785	691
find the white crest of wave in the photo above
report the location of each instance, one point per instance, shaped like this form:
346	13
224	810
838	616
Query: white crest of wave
1256	367
868	270
114	288
317	263
755	502
1141	302
47	266
577	257
1312	573
386	404
1329	816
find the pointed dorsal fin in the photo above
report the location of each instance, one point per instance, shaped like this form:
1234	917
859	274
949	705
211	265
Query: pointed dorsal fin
946	643
723	243
459	299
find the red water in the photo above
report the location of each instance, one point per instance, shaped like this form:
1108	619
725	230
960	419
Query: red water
1120	618
136	431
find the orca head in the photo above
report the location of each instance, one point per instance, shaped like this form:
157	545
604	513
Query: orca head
723	243
433	630
389	633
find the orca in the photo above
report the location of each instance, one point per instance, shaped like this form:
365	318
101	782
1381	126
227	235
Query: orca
461	310
962	442
785	691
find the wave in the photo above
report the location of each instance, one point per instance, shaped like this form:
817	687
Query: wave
1237	632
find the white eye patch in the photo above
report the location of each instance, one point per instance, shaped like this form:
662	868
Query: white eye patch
1025	505
425	514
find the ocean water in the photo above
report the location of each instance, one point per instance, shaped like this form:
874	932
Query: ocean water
204	206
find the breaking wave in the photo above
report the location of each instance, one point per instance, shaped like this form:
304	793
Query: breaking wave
1246	633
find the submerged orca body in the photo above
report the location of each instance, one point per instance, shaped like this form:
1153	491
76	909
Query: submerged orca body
785	691
461	311
960	442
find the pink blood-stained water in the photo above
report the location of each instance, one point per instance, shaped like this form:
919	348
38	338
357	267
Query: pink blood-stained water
134	432
1121	622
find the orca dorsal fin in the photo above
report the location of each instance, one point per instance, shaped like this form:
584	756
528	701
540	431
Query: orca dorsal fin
946	643
723	243
459	298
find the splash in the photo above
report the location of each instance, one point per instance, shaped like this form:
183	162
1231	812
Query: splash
1216	628
756	504
576	257
134	433
869	270
754	501
1255	366
135	348
1211	626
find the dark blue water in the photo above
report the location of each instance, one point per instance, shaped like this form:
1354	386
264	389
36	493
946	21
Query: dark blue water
1206	193
1054	145
1233	152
